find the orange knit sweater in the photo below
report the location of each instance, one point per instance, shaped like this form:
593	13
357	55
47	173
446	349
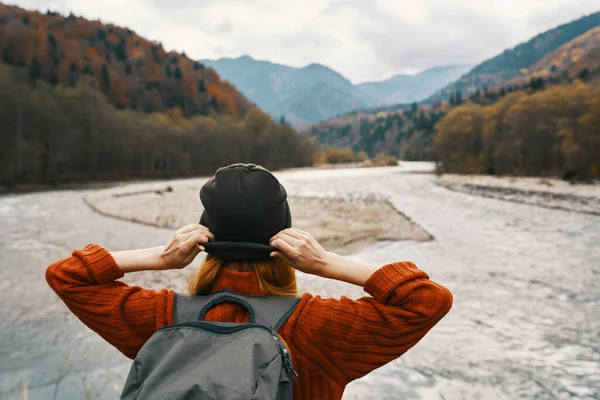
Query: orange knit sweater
332	341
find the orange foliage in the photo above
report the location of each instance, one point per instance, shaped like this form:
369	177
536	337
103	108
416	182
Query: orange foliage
92	54
135	66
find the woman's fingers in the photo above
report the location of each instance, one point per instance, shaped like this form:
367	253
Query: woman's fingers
188	260
287	238
284	247
192	228
200	236
301	232
291	232
206	235
280	255
193	241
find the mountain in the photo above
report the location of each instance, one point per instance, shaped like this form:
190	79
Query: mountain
316	92
300	95
409	88
132	72
509	64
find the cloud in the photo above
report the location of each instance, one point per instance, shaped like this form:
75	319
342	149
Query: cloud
362	39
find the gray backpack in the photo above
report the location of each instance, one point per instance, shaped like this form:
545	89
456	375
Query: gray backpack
195	359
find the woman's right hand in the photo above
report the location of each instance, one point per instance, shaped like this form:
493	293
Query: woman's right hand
300	250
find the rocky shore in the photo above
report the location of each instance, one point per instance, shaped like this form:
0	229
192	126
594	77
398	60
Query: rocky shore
544	192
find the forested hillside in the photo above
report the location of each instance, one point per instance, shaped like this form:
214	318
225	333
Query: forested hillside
408	132
84	101
510	63
132	72
578	58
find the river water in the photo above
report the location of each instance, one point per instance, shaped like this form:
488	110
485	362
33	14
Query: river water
526	284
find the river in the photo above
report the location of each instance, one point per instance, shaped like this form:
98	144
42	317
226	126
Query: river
526	284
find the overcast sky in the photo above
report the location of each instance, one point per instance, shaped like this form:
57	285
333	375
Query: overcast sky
364	40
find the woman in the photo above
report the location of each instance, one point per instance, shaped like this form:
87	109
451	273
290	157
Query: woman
246	229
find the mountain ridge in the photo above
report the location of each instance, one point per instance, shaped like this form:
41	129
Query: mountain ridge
508	64
300	94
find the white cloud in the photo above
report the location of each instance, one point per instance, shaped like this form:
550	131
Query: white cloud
362	39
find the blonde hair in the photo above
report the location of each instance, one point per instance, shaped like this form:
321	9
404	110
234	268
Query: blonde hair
275	277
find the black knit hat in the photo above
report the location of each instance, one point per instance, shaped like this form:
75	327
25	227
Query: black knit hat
244	207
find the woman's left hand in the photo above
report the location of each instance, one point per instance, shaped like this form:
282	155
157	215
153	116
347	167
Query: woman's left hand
185	246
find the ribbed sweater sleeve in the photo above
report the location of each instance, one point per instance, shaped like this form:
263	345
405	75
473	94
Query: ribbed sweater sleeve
346	339
125	316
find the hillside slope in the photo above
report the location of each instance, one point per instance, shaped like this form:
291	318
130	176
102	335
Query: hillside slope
409	88
509	64
578	58
134	73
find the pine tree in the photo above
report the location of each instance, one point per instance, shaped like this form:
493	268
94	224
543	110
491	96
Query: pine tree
105	78
52	41
168	71
178	74
35	70
458	98
583	74
201	87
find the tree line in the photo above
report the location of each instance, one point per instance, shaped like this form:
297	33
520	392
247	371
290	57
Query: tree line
409	133
554	131
404	134
60	133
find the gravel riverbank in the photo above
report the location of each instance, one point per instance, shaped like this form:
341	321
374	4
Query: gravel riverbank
341	223
544	192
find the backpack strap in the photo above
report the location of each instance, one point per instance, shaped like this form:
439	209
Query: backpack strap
270	311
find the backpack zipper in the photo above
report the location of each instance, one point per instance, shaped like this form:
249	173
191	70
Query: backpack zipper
287	359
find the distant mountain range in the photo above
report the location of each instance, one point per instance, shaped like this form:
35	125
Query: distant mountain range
409	88
515	62
315	92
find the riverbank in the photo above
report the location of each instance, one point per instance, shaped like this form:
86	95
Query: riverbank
543	192
341	223
24	188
